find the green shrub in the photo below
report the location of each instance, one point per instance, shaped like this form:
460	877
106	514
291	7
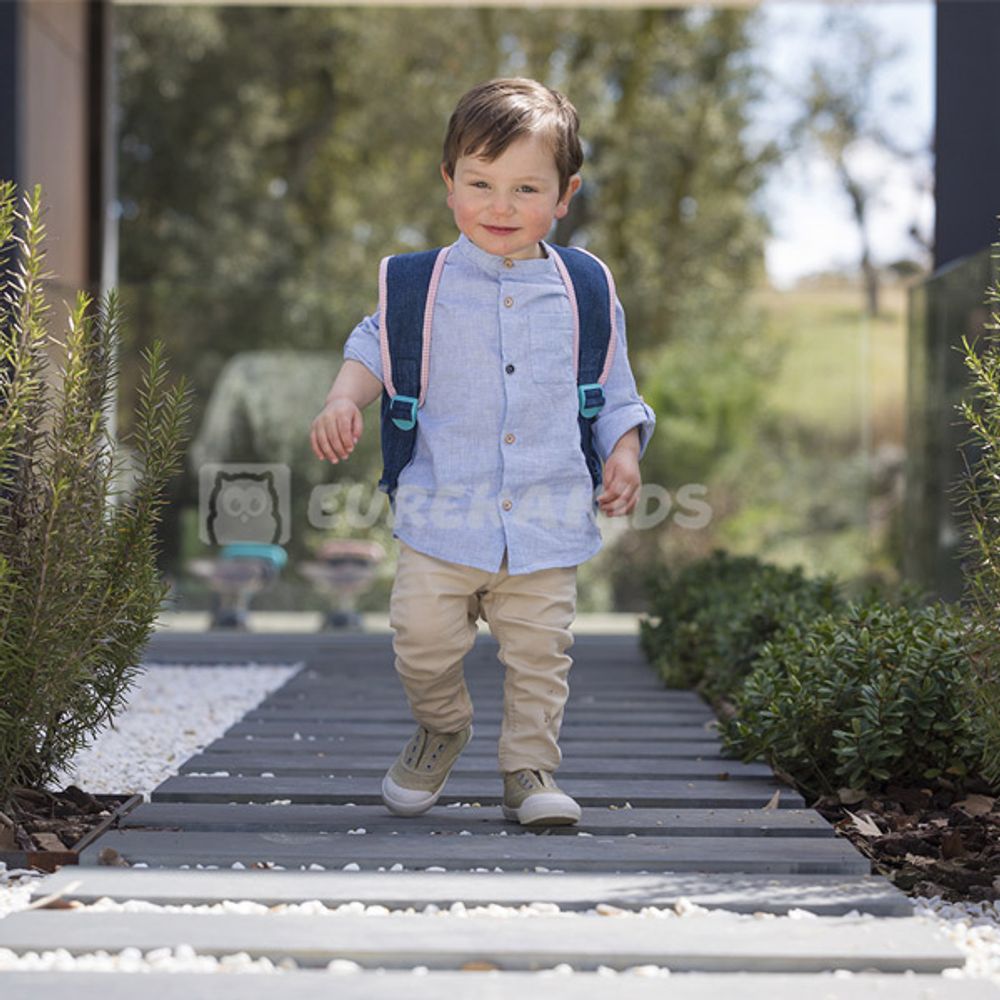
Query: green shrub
710	619
79	589
858	699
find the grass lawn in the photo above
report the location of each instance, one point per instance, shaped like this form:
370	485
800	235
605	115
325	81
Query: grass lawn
825	496
838	369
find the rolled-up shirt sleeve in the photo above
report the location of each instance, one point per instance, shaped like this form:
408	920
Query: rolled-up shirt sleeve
363	345
623	407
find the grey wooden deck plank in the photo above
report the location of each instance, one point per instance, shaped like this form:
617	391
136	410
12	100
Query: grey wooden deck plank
660	750
338	712
486	730
488	819
784	855
621	696
711	943
311	761
314	985
745	793
742	893
619	699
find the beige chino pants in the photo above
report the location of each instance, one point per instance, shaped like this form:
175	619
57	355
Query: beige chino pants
433	610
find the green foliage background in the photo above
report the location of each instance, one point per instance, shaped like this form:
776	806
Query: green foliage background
270	156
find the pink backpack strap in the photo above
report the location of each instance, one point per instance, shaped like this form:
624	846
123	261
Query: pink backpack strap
571	292
383	330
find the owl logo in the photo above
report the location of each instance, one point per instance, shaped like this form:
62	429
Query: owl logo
245	506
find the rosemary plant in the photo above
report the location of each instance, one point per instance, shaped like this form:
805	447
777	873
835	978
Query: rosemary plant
79	587
979	498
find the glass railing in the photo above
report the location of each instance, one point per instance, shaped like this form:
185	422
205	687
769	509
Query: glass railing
943	309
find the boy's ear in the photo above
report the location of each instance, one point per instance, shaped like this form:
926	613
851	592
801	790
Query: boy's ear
449	184
571	188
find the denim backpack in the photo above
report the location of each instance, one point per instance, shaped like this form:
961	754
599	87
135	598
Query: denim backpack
407	290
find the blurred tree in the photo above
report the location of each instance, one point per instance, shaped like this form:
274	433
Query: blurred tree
847	116
270	156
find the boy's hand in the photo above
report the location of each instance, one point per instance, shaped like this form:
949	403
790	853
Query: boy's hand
621	477
336	430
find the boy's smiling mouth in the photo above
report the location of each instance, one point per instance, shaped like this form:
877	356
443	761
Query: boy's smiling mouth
502	229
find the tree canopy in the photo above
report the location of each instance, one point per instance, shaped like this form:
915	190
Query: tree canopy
270	156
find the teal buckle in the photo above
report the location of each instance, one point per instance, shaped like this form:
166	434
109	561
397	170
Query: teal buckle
406	410
591	399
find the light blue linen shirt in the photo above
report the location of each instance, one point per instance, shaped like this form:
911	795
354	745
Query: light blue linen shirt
497	463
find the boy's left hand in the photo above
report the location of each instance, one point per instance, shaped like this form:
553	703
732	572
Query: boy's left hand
621	481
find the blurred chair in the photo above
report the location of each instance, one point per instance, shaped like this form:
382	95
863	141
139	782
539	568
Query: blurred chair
342	570
241	571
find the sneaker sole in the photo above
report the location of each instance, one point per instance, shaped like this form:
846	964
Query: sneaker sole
545	810
393	798
403	804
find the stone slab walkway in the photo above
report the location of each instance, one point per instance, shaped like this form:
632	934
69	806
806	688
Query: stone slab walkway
669	826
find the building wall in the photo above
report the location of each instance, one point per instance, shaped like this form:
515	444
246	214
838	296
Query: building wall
967	129
53	132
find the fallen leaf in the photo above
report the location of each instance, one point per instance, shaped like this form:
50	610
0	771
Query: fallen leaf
865	825
952	845
850	796
53	901
976	805
479	966
109	856
48	841
772	802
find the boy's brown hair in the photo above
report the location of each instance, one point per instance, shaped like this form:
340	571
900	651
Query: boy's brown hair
488	118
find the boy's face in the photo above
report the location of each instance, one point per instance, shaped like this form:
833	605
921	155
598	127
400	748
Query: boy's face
507	205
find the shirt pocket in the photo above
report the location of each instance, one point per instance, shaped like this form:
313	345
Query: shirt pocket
550	337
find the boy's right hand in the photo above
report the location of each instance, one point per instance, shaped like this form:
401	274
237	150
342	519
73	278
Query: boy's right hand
336	430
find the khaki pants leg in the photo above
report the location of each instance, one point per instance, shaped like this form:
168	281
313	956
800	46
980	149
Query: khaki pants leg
433	610
530	615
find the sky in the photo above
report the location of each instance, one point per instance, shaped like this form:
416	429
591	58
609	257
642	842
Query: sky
810	213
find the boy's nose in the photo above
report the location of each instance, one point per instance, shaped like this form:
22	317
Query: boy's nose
502	204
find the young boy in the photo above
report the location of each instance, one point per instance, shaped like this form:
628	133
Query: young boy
488	510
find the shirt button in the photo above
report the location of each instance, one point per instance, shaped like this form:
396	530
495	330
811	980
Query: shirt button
508	301
509	438
507	262
509	369
506	505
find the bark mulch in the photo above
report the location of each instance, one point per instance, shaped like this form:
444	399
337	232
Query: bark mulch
933	839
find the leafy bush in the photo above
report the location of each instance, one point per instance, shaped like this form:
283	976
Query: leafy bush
980	503
858	699
711	618
79	589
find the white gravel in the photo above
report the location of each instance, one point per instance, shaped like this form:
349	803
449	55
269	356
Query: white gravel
174	711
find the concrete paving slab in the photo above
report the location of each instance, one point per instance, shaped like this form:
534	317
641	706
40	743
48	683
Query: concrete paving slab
377	820
829	895
743	793
317	985
401	731
311	761
580	749
714	942
779	855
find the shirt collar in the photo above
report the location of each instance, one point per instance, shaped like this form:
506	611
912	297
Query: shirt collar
494	264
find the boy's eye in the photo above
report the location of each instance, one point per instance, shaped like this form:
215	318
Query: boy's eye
528	188
479	184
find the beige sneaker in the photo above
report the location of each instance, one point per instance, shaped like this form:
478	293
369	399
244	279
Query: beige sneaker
534	799
414	783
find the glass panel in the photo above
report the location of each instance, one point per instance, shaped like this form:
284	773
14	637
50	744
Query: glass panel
948	306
